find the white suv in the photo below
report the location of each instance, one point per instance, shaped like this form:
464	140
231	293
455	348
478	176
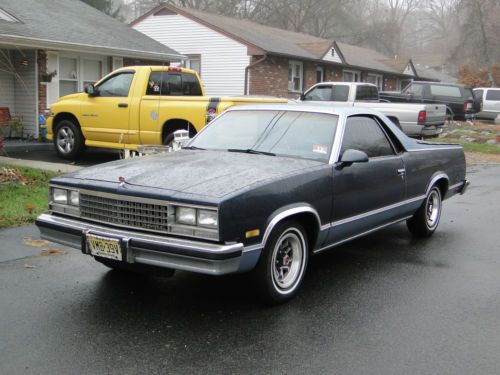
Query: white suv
489	101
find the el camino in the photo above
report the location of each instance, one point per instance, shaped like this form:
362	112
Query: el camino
260	189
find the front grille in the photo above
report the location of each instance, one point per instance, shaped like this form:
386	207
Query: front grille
141	213
125	213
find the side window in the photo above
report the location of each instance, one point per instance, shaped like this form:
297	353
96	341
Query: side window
320	93
364	134
493	95
340	93
415	90
174	84
366	93
117	85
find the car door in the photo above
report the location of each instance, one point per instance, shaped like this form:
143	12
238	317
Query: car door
366	195
491	102
105	116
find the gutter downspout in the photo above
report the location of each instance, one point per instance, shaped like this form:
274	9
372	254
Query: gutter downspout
247	69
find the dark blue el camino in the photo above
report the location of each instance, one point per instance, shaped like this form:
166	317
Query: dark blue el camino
261	189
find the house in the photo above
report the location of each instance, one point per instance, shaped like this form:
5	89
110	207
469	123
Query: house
53	48
236	57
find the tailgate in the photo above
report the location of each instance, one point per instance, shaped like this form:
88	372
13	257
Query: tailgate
436	114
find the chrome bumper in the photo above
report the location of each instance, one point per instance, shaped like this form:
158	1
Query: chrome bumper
154	250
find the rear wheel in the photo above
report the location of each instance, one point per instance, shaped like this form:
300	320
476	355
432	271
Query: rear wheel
283	263
68	139
425	221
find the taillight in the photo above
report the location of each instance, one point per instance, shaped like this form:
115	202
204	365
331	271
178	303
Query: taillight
467	106
422	117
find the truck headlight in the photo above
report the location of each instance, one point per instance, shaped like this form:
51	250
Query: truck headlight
60	196
207	218
74	198
185	215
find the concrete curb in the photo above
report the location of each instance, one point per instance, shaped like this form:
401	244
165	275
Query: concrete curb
54	167
27	146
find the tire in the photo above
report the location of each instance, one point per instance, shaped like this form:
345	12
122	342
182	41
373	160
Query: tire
426	220
68	140
142	269
287	248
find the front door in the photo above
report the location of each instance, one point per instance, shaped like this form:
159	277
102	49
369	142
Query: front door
366	195
105	116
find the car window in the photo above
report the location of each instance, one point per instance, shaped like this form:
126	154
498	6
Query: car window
336	93
289	133
366	93
451	91
493	95
365	134
173	84
117	85
415	90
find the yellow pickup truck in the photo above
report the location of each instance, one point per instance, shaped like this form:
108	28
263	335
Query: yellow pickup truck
133	106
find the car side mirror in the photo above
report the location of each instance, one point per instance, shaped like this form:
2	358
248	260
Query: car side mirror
302	96
90	89
351	156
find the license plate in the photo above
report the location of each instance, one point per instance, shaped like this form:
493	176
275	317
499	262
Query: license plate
104	247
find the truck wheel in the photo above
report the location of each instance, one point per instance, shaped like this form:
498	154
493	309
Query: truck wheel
68	140
425	221
135	268
283	263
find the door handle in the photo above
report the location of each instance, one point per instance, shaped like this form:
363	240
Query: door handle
401	172
122	105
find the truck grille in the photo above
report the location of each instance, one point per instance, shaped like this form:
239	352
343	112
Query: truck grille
125	213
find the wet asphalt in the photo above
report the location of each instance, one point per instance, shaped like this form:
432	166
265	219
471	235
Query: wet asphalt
383	304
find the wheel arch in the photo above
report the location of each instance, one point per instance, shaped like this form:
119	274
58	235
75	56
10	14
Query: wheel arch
64	116
305	214
172	125
440	179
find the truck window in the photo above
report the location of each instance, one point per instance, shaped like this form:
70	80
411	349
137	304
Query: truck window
116	86
451	91
364	134
324	93
173	84
493	94
415	90
366	93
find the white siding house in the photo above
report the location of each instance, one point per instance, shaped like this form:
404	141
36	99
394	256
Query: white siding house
223	59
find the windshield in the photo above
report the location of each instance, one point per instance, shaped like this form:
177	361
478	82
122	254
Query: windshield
284	133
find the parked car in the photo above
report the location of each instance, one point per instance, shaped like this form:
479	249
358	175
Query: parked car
260	189
458	99
133	106
417	120
488	99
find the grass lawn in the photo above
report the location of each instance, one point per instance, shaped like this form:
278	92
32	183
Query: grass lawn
471	146
20	204
473	137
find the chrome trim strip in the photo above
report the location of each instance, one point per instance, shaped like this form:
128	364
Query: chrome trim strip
360	235
434	179
337	140
456	185
377	211
435	149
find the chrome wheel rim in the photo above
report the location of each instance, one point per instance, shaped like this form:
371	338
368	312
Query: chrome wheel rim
65	139
433	209
288	260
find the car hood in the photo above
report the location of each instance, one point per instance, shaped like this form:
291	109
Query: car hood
205	173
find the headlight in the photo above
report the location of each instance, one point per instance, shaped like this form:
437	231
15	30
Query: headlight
185	215
207	218
74	198
60	196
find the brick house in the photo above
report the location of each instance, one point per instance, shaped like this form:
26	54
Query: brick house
236	57
43	58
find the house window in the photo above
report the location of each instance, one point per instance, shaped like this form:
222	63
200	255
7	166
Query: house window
194	63
351	76
68	75
320	74
376	79
92	71
295	76
117	63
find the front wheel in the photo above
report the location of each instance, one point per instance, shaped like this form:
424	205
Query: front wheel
425	221
282	266
68	140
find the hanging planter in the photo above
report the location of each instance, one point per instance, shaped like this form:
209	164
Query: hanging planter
47	77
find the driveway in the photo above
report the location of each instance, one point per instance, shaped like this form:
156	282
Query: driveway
384	304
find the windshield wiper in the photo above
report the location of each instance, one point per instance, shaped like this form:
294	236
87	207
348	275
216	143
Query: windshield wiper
193	148
251	151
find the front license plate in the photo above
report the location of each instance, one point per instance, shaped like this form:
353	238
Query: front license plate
104	247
